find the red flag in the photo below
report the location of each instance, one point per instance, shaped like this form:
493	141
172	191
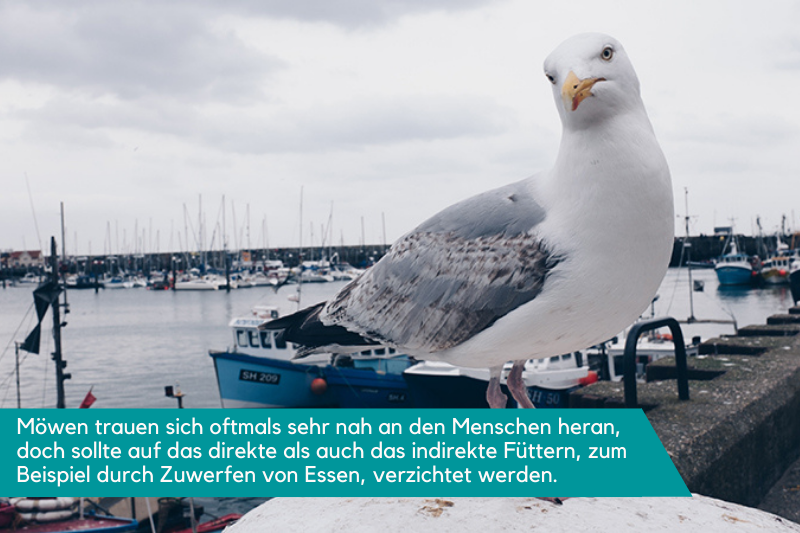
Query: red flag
88	401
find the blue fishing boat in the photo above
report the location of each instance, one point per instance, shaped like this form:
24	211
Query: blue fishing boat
246	381
734	268
259	370
373	383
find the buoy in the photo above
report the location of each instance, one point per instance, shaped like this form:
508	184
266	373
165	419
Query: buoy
591	377
319	386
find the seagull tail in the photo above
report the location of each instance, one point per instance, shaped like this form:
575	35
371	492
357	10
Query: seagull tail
305	329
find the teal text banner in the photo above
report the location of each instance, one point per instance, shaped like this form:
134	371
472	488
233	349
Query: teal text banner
333	452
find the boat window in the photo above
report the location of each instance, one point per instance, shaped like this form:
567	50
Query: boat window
253	336
280	342
554	359
392	351
366	352
380	351
241	337
266	339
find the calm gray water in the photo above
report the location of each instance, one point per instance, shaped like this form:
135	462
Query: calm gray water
129	343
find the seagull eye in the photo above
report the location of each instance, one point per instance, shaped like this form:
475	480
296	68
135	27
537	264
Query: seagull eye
607	53
551	78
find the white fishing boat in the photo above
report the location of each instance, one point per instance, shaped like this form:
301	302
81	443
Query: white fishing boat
117	282
209	282
775	270
649	348
548	381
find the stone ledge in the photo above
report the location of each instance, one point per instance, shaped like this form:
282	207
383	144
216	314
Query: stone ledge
739	431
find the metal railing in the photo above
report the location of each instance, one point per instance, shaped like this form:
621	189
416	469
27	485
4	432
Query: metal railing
629	357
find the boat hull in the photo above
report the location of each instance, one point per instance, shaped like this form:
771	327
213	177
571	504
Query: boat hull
359	388
252	382
775	276
89	524
794	284
448	392
734	275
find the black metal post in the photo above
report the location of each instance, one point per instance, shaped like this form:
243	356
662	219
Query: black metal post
629	358
60	364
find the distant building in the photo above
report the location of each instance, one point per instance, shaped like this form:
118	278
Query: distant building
723	230
24	259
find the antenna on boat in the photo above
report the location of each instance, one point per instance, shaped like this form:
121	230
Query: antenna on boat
300	251
688	246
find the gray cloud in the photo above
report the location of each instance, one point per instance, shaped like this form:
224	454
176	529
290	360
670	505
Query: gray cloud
348	125
128	50
346	13
363	123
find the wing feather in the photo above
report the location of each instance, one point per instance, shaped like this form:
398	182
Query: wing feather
452	277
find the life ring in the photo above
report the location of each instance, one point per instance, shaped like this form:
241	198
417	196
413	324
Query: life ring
33	505
48	516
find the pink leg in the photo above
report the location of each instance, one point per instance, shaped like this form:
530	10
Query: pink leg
517	387
494	396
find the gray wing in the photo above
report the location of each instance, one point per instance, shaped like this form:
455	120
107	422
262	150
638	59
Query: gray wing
453	276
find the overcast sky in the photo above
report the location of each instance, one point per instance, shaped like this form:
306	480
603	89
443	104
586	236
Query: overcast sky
130	111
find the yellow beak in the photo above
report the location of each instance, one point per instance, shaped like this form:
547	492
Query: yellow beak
574	91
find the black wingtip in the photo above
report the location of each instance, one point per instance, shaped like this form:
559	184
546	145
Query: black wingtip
305	329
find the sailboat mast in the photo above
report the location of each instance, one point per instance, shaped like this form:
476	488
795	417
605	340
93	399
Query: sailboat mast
688	247
300	251
56	305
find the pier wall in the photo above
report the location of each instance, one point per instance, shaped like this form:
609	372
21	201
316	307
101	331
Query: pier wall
704	248
740	430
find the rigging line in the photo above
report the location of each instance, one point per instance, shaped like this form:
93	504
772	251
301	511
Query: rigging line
11	373
25	357
675	285
35	222
8	377
14	335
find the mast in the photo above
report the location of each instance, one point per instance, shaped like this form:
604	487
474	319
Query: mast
60	363
225	245
300	251
64	255
688	246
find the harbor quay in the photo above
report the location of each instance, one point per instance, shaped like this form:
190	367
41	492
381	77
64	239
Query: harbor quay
738	436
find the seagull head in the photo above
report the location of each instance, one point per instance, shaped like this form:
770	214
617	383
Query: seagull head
592	79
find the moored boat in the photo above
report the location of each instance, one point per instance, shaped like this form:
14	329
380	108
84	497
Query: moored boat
794	280
548	381
258	370
775	270
735	268
373	382
59	515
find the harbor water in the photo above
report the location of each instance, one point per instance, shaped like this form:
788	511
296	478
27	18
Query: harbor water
128	344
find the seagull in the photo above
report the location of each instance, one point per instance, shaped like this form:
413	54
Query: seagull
557	262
